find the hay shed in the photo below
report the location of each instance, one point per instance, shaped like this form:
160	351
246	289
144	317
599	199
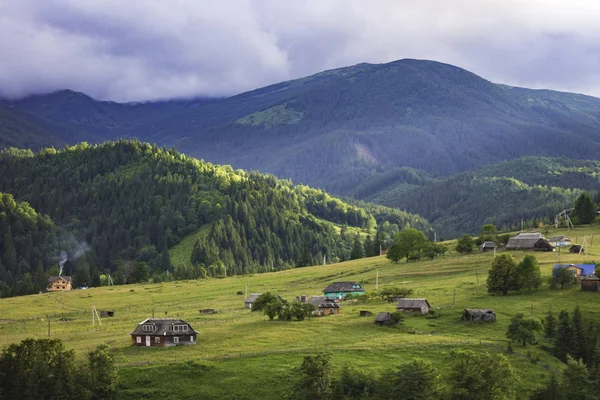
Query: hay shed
479	315
383	318
365	313
106	313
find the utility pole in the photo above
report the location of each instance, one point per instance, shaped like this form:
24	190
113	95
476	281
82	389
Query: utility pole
434	237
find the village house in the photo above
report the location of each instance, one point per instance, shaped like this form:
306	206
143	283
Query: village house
59	283
163	332
249	302
487	246
324	305
383	318
339	290
559	241
420	306
529	241
478	315
579	270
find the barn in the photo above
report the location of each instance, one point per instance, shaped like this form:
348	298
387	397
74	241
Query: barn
324	305
163	332
419	306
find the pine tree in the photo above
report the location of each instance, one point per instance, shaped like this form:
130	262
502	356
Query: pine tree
357	249
10	253
563	344
165	260
578	335
305	259
529	273
584	211
378	244
550	326
368	247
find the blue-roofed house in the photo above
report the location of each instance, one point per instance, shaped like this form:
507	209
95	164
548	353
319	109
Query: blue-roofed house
579	270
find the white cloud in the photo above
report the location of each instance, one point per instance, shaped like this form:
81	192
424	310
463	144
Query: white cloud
142	50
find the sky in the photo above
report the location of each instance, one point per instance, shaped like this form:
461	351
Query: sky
143	50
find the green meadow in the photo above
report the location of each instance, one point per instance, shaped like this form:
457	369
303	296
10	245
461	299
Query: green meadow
242	355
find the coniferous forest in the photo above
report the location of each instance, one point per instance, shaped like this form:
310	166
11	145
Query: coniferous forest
118	208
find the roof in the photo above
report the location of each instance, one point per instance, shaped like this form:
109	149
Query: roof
383	316
586	269
252	297
559	238
322	302
163	327
343	287
56	278
478	311
412	303
524	241
488	244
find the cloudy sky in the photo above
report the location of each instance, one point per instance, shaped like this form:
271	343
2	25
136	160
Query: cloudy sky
139	50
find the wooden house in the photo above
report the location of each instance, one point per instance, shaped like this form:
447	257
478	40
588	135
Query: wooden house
59	283
478	315
590	283
529	241
163	332
251	299
559	241
487	246
420	306
324	305
383	318
339	290
579	270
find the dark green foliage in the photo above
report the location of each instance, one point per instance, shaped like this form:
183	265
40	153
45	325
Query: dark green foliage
465	245
584	210
562	277
479	375
563	344
550	326
578	336
354	384
357	249
529	273
407	243
503	276
305	259
523	330
551	391
131	201
102	374
313	380
413	380
262	300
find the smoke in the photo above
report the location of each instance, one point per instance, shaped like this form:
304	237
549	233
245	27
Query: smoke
74	250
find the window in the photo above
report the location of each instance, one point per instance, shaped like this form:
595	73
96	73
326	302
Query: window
180	328
138	339
148	328
156	339
175	340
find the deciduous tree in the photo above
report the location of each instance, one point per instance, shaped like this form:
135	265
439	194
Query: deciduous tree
503	275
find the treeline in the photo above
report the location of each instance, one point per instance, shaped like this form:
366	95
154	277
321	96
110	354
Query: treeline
129	202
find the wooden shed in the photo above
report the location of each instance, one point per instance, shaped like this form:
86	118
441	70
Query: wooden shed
478	315
419	306
365	313
251	299
487	246
383	318
576	248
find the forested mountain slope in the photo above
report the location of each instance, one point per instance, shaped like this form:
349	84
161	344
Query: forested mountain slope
503	194
343	128
131	201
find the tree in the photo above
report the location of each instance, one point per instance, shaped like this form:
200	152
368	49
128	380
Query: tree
550	326
465	245
523	329
479	375
273	309
305	259
357	249
354	384
368	247
578	336
413	380
575	381
165	260
584	210
562	277
407	243
563	344
529	273
488	231
262	300
313	379
503	275
551	391
102	374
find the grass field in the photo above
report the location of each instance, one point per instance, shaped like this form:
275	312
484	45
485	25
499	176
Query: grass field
242	355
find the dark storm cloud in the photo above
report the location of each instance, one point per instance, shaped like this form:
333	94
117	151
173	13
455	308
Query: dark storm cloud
143	50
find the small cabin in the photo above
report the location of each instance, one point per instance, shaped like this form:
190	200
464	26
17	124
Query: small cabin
59	283
590	283
106	313
383	318
417	306
478	315
365	313
251	299
163	332
487	246
576	248
324	305
339	290
559	241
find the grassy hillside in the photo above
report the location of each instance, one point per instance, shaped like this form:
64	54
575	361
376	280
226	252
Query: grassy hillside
503	194
242	355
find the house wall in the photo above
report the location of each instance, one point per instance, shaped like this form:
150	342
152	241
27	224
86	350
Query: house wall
327	310
60	285
577	273
590	285
163	341
248	305
336	295
418	310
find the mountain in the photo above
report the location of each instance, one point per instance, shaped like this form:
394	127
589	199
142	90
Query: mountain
340	129
121	206
526	188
